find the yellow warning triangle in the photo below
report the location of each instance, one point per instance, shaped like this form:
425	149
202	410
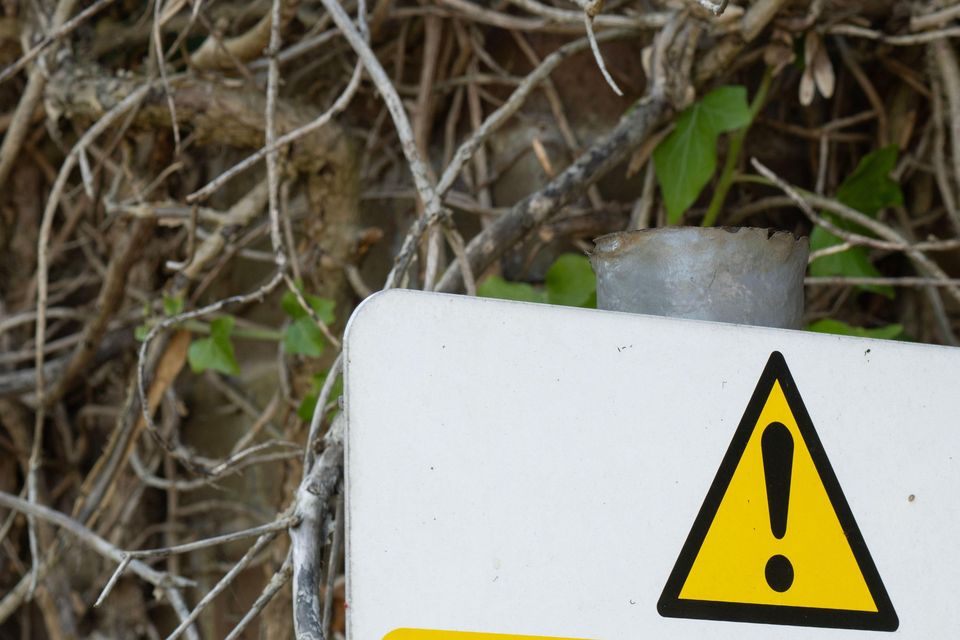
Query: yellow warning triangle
775	540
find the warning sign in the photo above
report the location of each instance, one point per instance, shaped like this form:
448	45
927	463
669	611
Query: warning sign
775	540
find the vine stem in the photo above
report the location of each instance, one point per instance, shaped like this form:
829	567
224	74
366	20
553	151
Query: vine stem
733	153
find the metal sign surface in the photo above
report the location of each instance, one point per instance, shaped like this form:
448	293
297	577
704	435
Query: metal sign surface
522	471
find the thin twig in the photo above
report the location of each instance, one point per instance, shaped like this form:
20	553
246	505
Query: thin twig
516	100
29	99
162	552
302	301
339	105
934	18
597	56
111	583
257	295
900	41
270	134
91	540
129	251
65	29
224	582
316	420
646	20
890	236
333	564
945	57
905	281
43	241
939	158
433	207
279	579
535	209
716	8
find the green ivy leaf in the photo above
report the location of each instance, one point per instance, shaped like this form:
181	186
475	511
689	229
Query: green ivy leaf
172	305
323	307
828	325
687	158
570	281
309	402
870	188
216	351
140	333
852	263
303	337
307	406
725	109
497	287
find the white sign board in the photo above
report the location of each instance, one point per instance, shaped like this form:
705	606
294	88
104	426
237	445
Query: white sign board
519	471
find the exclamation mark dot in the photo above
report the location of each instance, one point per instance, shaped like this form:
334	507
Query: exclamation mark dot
777	447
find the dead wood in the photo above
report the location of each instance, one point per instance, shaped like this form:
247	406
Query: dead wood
216	111
533	211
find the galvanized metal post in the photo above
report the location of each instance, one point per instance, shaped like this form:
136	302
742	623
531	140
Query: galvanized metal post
741	275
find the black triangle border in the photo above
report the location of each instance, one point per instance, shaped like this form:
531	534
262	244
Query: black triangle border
671	606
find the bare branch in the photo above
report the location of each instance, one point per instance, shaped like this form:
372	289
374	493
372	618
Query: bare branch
276	583
535	209
61	31
93	541
433	207
224	582
312	500
29	99
588	23
716	8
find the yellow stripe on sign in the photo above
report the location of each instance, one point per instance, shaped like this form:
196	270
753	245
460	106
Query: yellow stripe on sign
428	634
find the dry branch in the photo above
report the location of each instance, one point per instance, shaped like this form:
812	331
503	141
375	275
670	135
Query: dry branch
946	60
216	53
109	300
122	204
306	538
218	112
17	132
22	381
92	540
537	208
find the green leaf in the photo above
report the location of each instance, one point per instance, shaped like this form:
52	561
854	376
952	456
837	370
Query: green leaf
684	162
870	188
216	351
172	305
852	263
222	327
303	337
309	402
570	281
291	306
307	407
497	287
140	333
725	109
687	158
323	307
828	325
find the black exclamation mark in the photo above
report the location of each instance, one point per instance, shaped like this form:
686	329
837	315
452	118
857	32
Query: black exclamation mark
777	446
